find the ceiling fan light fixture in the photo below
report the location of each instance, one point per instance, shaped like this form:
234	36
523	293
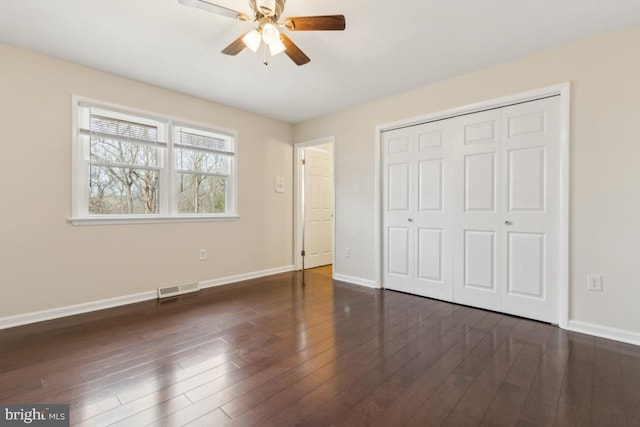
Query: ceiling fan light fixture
266	16
252	40
266	7
270	34
276	48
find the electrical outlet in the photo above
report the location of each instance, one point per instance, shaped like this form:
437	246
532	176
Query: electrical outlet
594	282
347	252
203	254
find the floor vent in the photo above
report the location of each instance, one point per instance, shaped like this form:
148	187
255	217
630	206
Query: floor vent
172	291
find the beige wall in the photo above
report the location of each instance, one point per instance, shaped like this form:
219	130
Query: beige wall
605	159
45	262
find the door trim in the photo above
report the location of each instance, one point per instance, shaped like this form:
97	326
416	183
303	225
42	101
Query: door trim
297	197
564	91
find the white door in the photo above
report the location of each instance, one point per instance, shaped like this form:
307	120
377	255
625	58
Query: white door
507	209
418	216
477	208
399	264
471	209
530	242
433	214
318	206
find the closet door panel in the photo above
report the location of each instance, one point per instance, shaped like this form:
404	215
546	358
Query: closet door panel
476	217
399	205
433	221
530	170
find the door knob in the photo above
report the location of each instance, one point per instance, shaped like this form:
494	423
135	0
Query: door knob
508	223
410	219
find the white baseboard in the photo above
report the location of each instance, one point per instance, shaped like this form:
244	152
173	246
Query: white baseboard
615	334
241	277
356	280
607	332
71	310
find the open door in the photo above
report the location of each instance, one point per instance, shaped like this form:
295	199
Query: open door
315	204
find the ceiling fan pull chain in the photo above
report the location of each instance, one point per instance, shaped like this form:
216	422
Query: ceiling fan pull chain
265	61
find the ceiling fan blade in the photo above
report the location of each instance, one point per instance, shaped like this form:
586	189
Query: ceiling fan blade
293	51
218	10
236	46
316	23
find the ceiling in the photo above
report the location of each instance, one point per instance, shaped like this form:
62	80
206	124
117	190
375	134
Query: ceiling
387	48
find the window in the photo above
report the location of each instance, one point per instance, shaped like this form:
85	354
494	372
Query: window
137	167
203	165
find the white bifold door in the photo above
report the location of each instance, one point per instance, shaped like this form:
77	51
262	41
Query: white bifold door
471	209
418	220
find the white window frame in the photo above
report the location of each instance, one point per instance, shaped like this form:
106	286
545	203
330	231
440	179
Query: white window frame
168	191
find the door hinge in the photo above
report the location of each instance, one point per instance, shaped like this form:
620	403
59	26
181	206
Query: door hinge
303	161
302	253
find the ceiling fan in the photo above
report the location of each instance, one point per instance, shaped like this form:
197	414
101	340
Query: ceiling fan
266	14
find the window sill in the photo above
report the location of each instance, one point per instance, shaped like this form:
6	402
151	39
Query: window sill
101	220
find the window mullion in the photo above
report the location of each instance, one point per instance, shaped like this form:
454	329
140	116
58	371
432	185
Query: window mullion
192	172
125	166
170	197
204	149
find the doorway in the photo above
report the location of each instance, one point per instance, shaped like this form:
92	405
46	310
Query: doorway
314	240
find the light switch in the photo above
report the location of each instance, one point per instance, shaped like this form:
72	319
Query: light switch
278	183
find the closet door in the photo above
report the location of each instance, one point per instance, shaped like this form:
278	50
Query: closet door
418	210
477	207
471	209
507	209
530	173
433	215
399	257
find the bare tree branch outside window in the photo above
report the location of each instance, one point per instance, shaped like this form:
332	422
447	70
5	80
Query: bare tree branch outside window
202	175
124	174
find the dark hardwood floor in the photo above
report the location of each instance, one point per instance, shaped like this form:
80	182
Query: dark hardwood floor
272	352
